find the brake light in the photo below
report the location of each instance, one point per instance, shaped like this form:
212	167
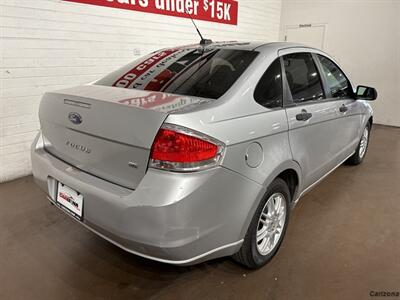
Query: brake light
179	149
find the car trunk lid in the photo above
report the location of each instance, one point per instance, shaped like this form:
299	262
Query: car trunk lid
107	131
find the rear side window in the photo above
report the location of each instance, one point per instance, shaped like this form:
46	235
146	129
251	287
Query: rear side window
337	82
268	92
303	78
207	73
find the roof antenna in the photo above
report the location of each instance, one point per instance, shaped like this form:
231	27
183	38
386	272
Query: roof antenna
203	41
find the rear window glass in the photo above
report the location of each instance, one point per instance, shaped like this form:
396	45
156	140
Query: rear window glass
191	72
268	92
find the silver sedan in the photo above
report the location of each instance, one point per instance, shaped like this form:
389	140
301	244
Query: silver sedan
201	151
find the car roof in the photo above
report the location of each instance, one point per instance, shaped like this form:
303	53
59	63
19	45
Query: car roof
249	46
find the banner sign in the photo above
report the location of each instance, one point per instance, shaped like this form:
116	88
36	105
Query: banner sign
143	68
220	11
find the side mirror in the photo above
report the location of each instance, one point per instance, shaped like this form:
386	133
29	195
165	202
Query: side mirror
366	93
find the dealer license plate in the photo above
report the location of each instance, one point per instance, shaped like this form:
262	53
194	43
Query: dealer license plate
70	201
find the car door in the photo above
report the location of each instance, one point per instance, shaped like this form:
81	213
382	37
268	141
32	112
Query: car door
313	121
340	90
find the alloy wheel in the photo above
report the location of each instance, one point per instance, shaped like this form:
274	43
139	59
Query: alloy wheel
271	223
364	143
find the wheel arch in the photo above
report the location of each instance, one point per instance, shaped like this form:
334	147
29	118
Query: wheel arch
371	121
291	178
289	170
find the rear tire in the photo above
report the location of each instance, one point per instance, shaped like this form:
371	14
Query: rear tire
361	150
267	227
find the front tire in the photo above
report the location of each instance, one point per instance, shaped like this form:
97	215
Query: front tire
358	156
267	228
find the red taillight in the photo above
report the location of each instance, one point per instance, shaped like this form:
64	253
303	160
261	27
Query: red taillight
174	150
178	147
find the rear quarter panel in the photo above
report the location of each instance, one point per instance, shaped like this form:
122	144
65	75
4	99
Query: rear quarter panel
268	130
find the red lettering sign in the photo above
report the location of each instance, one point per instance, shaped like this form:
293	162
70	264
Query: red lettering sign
140	69
220	11
151	100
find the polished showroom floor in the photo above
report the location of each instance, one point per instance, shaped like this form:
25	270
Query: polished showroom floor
343	242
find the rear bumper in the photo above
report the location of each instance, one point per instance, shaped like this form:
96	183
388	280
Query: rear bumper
174	218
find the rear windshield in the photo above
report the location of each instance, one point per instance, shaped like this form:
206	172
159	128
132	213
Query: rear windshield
191	72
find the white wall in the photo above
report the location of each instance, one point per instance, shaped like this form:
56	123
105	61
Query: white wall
50	44
364	36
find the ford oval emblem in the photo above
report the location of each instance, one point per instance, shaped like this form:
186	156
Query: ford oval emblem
75	118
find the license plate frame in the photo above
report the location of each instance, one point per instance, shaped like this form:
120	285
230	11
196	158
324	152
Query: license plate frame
70	201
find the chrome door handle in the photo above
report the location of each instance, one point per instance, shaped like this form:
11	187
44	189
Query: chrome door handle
303	116
343	108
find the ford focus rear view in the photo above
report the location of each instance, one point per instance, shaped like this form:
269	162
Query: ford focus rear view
198	152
